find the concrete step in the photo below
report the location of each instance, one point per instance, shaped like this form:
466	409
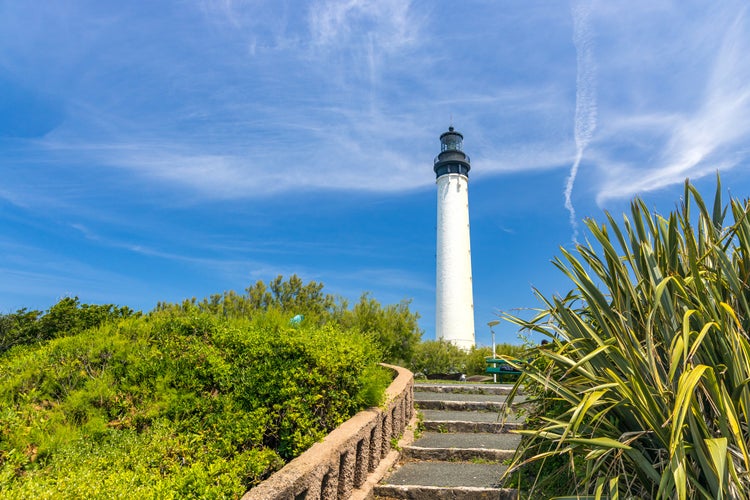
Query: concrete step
460	452
469	421
420	396
445	480
462	446
416	492
460	426
487	406
469	416
468	440
464	388
463	402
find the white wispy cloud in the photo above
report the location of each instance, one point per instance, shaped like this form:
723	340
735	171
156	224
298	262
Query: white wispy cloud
586	106
389	22
351	95
309	107
693	142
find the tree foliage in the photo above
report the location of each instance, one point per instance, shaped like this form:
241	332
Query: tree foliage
67	317
645	381
437	356
394	327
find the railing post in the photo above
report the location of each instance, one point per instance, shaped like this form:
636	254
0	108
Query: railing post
385	437
362	460
376	441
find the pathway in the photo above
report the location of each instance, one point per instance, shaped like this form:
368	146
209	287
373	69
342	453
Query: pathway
460	453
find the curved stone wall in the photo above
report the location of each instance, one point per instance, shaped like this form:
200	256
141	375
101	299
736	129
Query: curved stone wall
338	465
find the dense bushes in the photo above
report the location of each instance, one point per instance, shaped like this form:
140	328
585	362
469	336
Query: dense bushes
394	327
645	380
199	399
66	317
178	403
436	356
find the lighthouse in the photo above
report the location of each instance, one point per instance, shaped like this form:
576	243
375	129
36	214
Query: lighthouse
454	301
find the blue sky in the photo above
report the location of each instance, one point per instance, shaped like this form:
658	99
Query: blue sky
156	151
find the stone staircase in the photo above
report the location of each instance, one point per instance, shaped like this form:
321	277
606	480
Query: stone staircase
460	452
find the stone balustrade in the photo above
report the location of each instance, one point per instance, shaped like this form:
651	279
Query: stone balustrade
335	467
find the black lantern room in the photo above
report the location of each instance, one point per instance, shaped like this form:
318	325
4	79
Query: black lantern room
452	159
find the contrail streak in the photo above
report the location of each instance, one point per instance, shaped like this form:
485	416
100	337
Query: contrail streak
585	117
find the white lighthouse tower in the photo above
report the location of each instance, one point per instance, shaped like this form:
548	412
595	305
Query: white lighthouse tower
454	298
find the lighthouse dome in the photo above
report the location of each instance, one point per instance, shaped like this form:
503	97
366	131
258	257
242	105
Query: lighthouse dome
451	140
452	159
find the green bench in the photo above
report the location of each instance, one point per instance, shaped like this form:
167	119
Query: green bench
500	368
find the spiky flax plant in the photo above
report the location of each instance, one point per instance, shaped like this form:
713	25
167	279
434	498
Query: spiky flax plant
649	359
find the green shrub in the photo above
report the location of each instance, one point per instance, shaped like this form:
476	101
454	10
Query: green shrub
647	372
393	327
436	356
476	359
67	317
179	403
